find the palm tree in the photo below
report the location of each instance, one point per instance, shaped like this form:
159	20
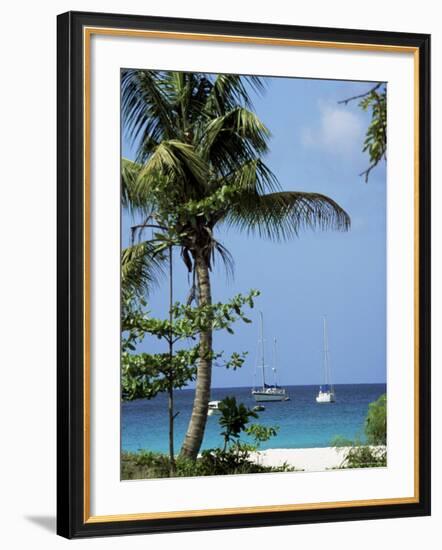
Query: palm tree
199	165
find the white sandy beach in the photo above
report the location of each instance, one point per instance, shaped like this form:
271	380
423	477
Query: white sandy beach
309	460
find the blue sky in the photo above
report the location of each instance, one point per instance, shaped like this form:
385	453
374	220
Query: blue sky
315	146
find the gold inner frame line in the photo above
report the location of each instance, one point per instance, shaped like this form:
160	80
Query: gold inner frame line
87	33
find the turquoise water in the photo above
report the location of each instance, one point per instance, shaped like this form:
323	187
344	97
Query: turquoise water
302	422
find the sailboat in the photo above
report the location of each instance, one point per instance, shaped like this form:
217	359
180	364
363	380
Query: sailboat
268	392
213	408
326	392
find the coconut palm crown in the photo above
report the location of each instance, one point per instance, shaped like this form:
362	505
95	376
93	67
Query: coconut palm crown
199	164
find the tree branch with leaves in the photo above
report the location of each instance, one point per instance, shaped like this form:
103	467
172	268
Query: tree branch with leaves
375	142
145	375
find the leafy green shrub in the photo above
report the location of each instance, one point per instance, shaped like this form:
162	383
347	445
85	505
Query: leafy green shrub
372	453
234	457
365	457
148	465
376	422
261	434
144	465
233	420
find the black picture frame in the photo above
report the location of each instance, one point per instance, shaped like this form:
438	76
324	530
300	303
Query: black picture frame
71	519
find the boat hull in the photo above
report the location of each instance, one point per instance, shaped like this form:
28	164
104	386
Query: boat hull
213	408
325	398
266	397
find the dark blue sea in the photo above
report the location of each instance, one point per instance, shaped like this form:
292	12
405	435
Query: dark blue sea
302	422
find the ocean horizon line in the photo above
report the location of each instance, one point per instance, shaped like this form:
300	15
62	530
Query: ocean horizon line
336	384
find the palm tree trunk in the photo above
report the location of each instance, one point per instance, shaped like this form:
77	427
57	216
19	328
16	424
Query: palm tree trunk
195	431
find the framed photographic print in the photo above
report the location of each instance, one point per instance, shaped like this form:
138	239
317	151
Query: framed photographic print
243	274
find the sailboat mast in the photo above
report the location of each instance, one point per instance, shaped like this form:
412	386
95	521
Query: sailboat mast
262	350
326	373
274	361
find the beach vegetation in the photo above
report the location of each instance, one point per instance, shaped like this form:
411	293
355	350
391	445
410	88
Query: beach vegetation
233	420
151	465
261	434
376	422
371	452
365	456
236	456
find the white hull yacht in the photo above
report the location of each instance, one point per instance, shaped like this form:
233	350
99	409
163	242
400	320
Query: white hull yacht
213	408
268	392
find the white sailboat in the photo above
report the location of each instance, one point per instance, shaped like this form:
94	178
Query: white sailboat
326	392
213	408
268	392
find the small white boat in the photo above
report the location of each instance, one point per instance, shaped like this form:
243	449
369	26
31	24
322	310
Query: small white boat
268	392
326	392
213	408
325	396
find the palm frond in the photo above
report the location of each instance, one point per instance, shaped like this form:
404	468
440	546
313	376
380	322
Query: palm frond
230	90
202	86
253	176
129	175
282	215
141	268
177	162
240	122
225	256
146	106
234	138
